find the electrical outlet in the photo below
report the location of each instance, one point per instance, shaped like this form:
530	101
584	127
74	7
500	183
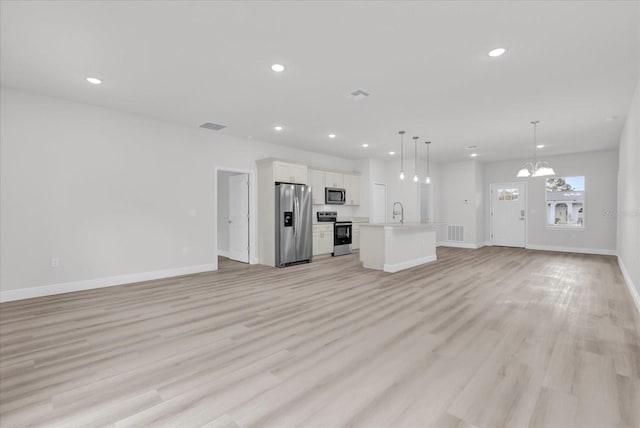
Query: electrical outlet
185	250
193	213
55	262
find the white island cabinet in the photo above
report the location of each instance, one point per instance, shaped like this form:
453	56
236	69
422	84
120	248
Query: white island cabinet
394	247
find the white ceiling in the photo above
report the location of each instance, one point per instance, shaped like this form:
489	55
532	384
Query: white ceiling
569	64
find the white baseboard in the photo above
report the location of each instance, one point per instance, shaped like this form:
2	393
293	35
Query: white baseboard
632	289
223	253
88	284
461	245
572	249
395	267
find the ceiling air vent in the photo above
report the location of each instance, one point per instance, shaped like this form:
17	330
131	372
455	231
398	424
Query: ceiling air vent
213	126
358	95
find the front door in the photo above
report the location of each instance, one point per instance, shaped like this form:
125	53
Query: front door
239	217
508	214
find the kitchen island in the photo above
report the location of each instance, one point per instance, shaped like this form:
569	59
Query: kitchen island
392	247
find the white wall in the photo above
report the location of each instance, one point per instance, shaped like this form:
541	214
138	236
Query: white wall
600	171
461	198
404	191
629	196
480	202
373	171
111	193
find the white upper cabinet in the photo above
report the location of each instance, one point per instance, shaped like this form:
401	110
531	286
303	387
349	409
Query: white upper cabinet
352	189
319	180
334	179
290	172
316	180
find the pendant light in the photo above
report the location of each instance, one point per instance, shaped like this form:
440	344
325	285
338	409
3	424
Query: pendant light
428	180
535	168
415	154
401	154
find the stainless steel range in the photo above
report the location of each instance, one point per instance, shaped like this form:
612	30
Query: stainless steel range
342	232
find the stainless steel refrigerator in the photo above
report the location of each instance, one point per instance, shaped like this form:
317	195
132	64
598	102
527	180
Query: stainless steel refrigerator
293	224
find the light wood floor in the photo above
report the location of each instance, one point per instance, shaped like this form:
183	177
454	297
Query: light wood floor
487	338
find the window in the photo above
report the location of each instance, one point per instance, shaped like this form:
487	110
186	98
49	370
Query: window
508	194
565	202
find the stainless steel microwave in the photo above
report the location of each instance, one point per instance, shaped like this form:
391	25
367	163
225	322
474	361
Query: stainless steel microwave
333	196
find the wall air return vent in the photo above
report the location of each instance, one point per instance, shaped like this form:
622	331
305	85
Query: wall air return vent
213	126
455	233
358	95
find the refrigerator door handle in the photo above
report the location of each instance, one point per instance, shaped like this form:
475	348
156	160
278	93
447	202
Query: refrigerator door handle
295	216
298	211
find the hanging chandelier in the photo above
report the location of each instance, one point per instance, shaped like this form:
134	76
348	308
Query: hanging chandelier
428	180
535	168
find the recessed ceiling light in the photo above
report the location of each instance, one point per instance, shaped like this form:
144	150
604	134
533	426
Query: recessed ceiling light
610	118
392	153
279	68
497	52
332	135
365	145
473	155
539	146
278	128
94	80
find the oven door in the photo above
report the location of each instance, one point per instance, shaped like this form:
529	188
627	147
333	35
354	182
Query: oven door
342	234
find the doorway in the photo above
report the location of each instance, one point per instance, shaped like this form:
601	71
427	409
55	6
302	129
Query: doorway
508	210
426	202
234	215
379	205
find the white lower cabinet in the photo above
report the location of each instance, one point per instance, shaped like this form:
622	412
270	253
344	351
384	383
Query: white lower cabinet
322	239
355	238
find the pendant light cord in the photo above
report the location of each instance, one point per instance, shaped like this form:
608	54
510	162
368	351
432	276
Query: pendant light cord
535	143
415	154
428	172
401	151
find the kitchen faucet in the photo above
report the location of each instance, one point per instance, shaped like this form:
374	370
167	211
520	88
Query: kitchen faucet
400	213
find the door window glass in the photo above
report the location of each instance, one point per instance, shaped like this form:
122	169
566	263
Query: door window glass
508	194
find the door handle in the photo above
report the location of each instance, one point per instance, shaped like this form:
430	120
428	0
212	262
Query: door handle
230	222
299	219
295	215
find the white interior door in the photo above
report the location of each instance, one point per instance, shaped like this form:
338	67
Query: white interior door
508	214
379	214
425	202
239	217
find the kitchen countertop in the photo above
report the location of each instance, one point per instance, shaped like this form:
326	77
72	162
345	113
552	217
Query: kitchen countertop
351	219
413	225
